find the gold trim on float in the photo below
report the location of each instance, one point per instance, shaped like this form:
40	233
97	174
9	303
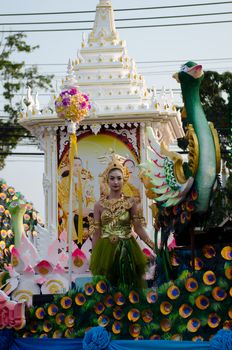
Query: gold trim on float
183	113
170	154
217	147
22	291
193	146
179	171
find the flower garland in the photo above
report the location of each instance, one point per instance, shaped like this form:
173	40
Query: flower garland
97	338
72	104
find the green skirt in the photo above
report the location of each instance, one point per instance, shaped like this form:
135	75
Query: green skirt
122	262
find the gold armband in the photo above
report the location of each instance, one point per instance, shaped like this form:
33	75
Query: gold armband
93	225
97	224
139	219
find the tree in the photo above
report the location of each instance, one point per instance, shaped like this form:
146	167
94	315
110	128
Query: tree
14	75
216	97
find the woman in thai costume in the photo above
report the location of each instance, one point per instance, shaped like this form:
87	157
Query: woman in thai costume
115	253
87	198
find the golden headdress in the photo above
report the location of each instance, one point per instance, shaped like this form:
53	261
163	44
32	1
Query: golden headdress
116	162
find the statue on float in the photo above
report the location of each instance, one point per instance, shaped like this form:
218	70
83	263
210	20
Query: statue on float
181	190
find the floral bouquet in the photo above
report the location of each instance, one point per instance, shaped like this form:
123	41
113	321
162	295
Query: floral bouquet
72	104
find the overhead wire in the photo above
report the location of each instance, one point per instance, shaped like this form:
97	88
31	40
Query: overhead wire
42	154
117	10
21	153
122	19
143	62
122	27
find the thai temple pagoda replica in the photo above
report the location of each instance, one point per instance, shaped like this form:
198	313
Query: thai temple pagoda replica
122	106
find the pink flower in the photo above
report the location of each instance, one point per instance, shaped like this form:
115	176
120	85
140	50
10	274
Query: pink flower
72	91
83	105
43	267
78	257
147	252
86	97
79	253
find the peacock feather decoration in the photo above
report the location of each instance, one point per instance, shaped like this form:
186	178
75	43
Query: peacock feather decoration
181	190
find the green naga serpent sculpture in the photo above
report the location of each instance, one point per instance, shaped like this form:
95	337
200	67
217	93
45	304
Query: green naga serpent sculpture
182	190
17	209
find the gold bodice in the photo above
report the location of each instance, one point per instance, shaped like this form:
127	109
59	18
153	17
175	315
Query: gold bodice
116	218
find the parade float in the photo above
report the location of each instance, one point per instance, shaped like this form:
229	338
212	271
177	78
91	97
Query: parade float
47	291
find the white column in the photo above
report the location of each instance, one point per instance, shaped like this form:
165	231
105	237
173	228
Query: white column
50	181
146	201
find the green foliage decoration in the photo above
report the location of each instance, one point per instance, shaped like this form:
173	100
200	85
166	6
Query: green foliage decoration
31	218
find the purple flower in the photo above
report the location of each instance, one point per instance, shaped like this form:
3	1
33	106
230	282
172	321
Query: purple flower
72	91
89	107
66	101
83	105
63	93
86	97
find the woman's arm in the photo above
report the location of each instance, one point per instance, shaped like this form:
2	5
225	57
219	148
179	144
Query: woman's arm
97	224
138	223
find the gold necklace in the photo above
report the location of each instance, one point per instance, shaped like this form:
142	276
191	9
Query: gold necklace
116	205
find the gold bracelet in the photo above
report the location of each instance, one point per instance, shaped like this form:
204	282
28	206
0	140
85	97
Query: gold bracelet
97	224
139	219
93	225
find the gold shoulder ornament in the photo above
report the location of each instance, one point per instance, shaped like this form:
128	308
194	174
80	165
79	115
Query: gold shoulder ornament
217	147
193	146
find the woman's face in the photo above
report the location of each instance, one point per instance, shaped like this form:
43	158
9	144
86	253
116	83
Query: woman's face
115	180
76	166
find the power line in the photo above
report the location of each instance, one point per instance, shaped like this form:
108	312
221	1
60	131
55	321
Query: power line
61	73
124	27
122	19
170	71
21	154
180	61
117	10
143	62
42	154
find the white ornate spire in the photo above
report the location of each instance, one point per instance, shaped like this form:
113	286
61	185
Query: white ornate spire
70	80
104	70
104	25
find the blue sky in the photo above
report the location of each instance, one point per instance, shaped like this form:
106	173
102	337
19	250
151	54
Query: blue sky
207	44
147	44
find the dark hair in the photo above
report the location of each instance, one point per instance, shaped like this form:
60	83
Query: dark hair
78	158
